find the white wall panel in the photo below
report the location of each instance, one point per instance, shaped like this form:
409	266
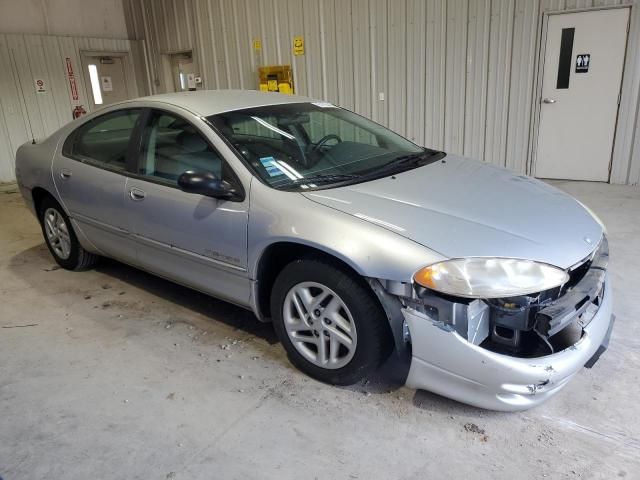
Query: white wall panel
25	114
625	167
435	73
379	60
525	41
456	75
453	74
104	18
344	55
397	64
416	29
477	77
498	82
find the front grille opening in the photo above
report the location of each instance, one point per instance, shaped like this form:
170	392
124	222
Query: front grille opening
532	345
577	274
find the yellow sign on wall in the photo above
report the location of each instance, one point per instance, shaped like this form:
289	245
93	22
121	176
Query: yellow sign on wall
257	44
298	45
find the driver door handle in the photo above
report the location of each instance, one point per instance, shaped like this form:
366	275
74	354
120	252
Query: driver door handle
136	194
549	100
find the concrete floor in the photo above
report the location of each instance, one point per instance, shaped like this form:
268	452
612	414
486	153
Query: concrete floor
114	373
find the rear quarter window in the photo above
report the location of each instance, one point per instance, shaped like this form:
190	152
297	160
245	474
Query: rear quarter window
104	140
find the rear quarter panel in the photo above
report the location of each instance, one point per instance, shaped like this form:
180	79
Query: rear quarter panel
33	168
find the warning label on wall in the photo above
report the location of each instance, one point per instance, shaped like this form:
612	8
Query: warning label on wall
107	84
298	45
73	87
582	62
40	87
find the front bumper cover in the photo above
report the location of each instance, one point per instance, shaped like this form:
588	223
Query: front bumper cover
445	363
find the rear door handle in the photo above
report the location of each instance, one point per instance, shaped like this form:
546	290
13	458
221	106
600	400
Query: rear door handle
549	100
65	173
136	194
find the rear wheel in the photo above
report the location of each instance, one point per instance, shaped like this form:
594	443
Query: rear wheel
331	326
61	239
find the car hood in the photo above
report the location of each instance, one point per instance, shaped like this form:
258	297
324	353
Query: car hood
465	208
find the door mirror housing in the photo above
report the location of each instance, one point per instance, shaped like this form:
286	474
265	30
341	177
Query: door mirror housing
206	183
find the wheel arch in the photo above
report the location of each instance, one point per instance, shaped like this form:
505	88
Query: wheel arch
38	194
279	254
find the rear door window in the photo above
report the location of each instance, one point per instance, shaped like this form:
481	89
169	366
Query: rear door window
105	140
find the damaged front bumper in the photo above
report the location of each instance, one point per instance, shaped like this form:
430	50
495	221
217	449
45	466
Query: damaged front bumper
446	363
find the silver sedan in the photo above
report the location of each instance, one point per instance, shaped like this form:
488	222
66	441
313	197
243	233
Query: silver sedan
354	241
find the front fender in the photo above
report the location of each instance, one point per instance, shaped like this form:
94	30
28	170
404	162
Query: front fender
371	250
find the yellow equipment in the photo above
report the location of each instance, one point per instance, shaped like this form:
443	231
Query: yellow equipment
276	78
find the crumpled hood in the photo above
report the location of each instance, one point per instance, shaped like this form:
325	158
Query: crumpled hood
461	207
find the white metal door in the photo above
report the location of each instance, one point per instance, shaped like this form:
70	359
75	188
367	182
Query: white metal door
183	72
583	64
106	79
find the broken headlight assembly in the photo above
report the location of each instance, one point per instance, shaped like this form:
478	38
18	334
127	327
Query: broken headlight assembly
518	307
490	277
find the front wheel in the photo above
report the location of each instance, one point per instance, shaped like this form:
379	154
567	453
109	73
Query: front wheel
329	322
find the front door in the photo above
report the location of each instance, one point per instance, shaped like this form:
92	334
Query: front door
193	239
583	64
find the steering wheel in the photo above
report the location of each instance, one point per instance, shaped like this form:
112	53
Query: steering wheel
325	139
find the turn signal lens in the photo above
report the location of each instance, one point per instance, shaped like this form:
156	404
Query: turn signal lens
490	277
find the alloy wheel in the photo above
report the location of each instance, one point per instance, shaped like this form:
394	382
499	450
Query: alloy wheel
319	325
57	233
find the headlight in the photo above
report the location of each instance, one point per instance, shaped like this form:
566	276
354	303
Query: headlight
490	277
595	217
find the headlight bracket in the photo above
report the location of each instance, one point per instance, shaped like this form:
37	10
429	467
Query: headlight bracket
470	319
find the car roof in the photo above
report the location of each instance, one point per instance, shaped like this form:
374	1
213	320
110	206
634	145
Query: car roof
211	102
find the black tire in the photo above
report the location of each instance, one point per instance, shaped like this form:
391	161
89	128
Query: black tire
79	259
374	343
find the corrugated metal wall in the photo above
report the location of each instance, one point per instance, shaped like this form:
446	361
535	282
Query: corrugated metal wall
25	114
454	74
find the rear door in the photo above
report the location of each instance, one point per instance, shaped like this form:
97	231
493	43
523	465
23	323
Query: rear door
90	176
193	239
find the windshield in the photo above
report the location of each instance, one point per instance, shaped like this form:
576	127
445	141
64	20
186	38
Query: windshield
309	145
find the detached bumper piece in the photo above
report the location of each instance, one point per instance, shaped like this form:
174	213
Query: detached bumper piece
455	352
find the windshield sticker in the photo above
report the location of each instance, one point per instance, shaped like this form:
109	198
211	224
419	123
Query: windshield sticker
324	104
271	166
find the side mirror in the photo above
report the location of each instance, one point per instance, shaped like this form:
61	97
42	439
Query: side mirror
206	183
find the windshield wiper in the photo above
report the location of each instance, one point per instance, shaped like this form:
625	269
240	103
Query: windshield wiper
410	158
322	178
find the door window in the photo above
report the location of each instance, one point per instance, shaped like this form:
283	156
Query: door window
106	139
173	146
